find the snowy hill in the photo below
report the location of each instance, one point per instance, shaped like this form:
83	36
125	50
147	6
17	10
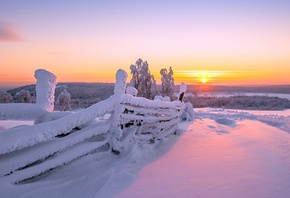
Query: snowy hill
75	89
82	94
223	153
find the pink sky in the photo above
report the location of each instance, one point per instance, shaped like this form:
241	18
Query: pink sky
246	42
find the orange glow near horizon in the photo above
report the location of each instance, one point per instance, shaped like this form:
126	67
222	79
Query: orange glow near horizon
215	77
211	77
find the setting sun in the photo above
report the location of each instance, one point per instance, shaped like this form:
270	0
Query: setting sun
204	76
203	80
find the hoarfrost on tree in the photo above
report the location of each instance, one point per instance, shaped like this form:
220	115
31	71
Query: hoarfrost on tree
167	82
5	97
142	79
63	100
23	96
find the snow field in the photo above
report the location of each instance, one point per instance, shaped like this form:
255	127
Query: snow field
218	157
223	153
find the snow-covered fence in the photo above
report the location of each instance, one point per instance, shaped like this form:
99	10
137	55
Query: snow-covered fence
157	118
24	150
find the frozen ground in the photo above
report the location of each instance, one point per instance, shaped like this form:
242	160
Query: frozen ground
223	153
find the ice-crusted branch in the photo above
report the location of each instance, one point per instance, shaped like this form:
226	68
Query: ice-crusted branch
45	87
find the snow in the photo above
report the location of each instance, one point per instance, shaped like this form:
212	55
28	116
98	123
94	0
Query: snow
132	91
7	124
245	162
20	111
140	101
189	110
222	153
182	88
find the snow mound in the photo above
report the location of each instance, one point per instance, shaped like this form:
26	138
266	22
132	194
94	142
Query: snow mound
226	121
132	91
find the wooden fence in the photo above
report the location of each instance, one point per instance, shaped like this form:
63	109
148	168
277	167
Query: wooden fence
29	151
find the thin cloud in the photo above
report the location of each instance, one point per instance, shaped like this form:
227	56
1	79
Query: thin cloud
5	75
9	33
56	53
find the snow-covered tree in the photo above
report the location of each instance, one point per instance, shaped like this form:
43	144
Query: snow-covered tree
5	97
142	79
63	100
167	82
23	96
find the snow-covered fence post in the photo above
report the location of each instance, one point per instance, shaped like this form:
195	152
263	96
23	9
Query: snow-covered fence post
182	90
45	87
116	131
120	86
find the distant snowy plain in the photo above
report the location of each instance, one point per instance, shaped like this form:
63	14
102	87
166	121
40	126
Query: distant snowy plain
225	94
222	153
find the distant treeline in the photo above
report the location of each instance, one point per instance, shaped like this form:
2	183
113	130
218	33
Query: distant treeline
240	102
285	89
87	94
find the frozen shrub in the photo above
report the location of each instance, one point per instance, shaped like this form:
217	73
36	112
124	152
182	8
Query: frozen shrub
23	96
64	101
5	97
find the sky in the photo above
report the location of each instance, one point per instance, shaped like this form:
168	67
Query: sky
243	42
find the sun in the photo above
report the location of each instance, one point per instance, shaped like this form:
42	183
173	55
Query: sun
203	80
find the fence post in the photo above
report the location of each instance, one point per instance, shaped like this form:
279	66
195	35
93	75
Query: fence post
45	87
182	90
120	86
116	131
